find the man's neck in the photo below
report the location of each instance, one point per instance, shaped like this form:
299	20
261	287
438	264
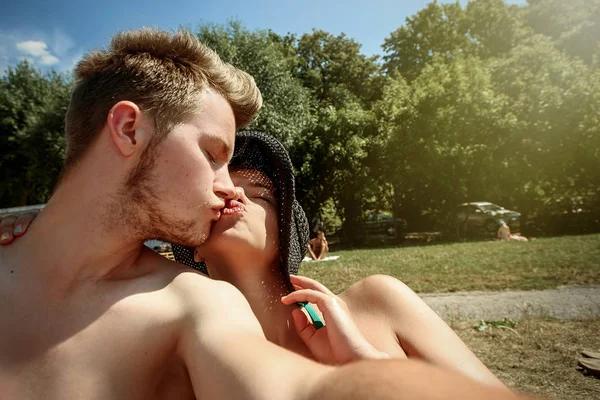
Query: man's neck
71	242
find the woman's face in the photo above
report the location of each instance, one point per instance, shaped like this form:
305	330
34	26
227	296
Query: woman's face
248	226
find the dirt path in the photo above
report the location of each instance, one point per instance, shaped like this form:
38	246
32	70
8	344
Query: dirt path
569	302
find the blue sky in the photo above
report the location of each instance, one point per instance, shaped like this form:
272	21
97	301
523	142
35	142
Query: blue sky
55	34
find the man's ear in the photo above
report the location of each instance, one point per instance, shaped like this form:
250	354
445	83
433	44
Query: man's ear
125	126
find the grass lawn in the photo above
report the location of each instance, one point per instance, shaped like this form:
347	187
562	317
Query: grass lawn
541	264
538	357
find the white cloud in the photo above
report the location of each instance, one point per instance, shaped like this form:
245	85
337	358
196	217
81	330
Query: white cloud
49	59
33	48
56	49
39	50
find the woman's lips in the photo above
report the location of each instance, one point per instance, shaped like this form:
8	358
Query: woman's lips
233	207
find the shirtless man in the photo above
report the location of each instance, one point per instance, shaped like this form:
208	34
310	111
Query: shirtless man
88	312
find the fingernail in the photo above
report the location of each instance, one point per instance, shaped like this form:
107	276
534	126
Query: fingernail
18	229
5	236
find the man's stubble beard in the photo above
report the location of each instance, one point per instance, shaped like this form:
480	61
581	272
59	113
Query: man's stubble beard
136	207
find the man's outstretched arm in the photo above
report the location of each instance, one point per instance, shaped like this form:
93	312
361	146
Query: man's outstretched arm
227	357
225	350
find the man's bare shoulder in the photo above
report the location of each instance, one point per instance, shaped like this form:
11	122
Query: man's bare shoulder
194	286
197	293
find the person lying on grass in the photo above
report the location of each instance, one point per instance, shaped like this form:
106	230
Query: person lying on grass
257	245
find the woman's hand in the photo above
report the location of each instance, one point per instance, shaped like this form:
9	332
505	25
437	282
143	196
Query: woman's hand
339	341
15	225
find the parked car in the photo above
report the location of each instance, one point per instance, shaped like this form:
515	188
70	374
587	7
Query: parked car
384	224
484	218
376	229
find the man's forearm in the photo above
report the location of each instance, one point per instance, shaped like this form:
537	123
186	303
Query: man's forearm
251	368
401	379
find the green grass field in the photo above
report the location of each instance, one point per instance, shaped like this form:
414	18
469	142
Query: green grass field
541	264
539	356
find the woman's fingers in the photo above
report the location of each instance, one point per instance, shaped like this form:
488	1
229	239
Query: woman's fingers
309	283
15	225
22	223
305	329
305	295
7	229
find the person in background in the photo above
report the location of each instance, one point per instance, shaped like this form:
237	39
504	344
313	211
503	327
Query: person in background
503	231
505	235
318	247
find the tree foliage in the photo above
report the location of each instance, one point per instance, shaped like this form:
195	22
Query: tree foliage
287	105
486	101
32	109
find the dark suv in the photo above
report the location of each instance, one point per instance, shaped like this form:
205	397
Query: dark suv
484	218
384	224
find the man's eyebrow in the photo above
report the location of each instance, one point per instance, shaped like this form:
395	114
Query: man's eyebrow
224	149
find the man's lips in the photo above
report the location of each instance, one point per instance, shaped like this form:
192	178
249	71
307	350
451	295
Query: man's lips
233	207
218	212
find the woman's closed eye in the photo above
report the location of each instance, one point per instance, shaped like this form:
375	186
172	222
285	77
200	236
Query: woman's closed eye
262	194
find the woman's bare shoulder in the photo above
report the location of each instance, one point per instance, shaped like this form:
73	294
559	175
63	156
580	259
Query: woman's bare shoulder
376	291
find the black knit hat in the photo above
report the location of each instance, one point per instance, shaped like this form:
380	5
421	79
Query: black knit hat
261	152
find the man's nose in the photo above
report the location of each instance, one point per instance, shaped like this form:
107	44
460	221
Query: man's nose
223	186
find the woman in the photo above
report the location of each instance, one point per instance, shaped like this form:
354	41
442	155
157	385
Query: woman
318	247
257	245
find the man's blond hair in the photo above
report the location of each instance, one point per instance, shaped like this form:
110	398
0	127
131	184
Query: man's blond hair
164	74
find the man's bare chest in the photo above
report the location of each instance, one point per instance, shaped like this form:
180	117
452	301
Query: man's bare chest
99	347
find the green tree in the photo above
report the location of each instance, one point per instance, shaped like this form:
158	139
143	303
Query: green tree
547	150
287	105
332	158
441	133
326	62
436	31
32	144
332	164
485	28
574	25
